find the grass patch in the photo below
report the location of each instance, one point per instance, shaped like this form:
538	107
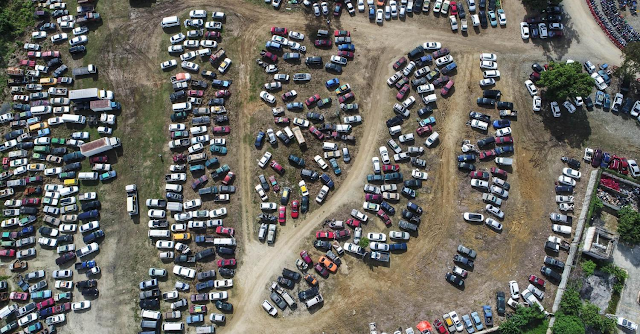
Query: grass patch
15	17
595	204
613	304
540	328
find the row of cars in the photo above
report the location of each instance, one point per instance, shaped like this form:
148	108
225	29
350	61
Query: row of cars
42	174
290	129
180	219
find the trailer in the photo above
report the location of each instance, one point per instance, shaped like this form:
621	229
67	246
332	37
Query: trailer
99	145
287	297
87	70
104	105
205	239
299	137
83	95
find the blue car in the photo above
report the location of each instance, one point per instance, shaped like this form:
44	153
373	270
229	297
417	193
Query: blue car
204	285
501	123
607	101
427	121
504	149
295	106
347	47
259	139
271	45
43	132
449	68
195	318
196	168
388	208
332	83
108	175
400	246
466	157
372	13
327	180
334	165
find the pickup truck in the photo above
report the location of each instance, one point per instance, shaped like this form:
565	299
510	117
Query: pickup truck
87	70
379	256
205	239
287	297
508	113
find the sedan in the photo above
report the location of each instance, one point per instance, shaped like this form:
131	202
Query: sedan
524	30
531	87
78	40
494	211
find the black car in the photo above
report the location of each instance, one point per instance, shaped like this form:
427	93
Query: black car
92	283
326	179
216	101
414	207
388	208
54	62
224	306
205	254
331	67
72	166
505	105
225	250
91	205
486	141
315	117
483	101
226	272
321	244
93	293
396	120
77	49
290	274
418	82
304	203
148	304
184	258
199	84
266	218
466	166
423	112
453	279
564	189
313	61
536	67
206	285
309	174
275	297
295	160
548	260
174	197
588	102
91	237
64	239
550	273
413	183
177	96
308	294
483	17
500	302
492	94
285	282
463	260
49	26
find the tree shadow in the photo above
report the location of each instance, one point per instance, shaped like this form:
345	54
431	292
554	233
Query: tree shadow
574	129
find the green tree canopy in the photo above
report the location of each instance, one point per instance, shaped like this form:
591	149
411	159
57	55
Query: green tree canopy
629	225
568	324
564	81
540	4
631	64
591	317
524	318
570	304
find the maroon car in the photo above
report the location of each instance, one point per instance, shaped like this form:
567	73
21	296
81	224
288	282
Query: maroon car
325	235
352	222
316	132
346	54
403	92
322	42
482	175
322	271
440	53
342	234
439	326
346	97
223	93
195	93
312	99
375	198
212	35
499	172
7	252
99	159
289	95
281	120
440	81
305	257
32	201
487	154
390	168
424	130
385	218
269	56
217	130
400	63
64	258
504	140
445	90
277	167
537	281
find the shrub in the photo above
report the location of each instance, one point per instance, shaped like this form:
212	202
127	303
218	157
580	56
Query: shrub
588	267
568	324
364	242
629	225
570	304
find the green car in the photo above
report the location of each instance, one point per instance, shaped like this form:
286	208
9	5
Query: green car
58	141
218	149
38	156
42	149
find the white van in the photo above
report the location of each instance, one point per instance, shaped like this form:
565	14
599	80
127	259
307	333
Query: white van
328	146
313	301
288	132
170	21
173	187
343	128
184	106
203	52
174	206
224	241
147	314
88	176
432	139
132	205
40	110
159	234
78	119
172	326
262	233
394	130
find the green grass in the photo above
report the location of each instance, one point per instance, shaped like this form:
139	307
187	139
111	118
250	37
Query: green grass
15	19
613	304
541	328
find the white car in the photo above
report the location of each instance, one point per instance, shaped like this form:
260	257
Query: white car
39	35
89	226
27	319
62	274
198	14
491	74
524	30
158	214
487	82
380	237
627	324
570	107
488	65
78	40
514	290
318	159
399	235
406	138
264	159
494	211
223	283
599	81
269	206
192	204
555	109
272	311
432	45
88	249
572	173
268	98
184	272
168	64
493	224
379	246
503	132
564	199
417	174
379	14
79	306
177	38
57	38
543	30
187	65
444	60
537	103
531	87
477	183
361	6
215	213
453	22
296	35
488	56
633	168
384	154
566	180
376	165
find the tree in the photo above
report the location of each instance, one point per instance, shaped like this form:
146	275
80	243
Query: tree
524	318
631	64
539	4
570	304
564	81
590	315
364	242
588	267
568	324
629	225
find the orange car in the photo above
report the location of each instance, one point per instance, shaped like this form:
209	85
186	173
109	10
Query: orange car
328	264
381	3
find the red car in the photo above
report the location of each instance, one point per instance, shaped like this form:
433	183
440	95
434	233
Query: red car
453	8
346	97
281	120
221	130
212	35
195	93
19	296
533	279
225	230
289	95
45	303
33	54
403	92
352	222
445	90
269	56
487	154
28	63
229	178
346	54
180	157
226	262
223	93
385	218
499	172
325	235
51	54
279	31
274	184
343	234
294	209
439	326
479	175
305	257
7	253
277	167
282	214
504	140
32	201
322	271
313	99
390	168
424	130
316	132
322	42
341	33
99	159
375	198
400	63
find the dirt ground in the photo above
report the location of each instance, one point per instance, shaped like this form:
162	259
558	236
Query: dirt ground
412	288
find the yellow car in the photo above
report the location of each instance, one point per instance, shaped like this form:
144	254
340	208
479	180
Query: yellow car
48	81
181	236
303	188
38	126
70	182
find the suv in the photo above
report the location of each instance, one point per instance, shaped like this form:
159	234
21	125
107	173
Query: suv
313	61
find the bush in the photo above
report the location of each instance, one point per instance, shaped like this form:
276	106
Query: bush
619	274
629	225
588	267
568	324
570	304
364	242
590	315
525	318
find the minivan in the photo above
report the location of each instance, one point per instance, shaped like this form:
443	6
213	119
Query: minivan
394	130
88	176
173	326
40	110
173	187
328	146
159	234
178	107
170	21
